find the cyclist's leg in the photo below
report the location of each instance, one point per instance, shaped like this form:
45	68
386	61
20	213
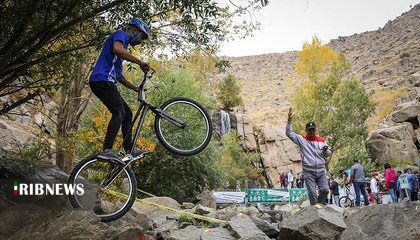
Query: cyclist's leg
126	126
110	96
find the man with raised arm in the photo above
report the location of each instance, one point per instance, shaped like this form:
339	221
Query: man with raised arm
314	151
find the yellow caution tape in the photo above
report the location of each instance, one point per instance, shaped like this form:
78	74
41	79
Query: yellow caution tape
168	209
182	213
145	193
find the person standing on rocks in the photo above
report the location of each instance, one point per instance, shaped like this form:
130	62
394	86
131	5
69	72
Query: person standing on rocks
290	178
314	150
390	183
357	177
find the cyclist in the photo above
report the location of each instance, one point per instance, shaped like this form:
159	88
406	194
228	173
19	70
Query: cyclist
105	75
346	175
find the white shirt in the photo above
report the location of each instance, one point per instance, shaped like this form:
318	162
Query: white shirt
374	185
290	177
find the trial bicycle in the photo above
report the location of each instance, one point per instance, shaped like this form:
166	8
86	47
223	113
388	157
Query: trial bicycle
349	199
181	125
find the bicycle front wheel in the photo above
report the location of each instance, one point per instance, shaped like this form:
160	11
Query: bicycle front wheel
183	126
345	202
108	197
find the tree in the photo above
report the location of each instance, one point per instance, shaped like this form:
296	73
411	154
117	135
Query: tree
229	93
339	106
234	164
34	33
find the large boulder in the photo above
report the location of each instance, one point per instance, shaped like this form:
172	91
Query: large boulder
392	143
278	154
385	221
67	225
313	223
242	227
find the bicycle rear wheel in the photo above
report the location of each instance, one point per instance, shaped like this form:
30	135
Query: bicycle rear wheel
183	127
345	202
108	200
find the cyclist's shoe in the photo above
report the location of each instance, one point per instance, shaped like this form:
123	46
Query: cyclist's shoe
107	155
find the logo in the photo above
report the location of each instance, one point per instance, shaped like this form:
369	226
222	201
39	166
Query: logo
40	189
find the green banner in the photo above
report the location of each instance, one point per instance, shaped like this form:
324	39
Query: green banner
276	195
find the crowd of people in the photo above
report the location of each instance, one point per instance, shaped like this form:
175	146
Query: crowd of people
398	184
322	189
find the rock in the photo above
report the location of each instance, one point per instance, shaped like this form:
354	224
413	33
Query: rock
241	226
246	132
207	199
190	232
216	234
384	221
10	135
19	216
313	223
268	228
67	225
406	113
278	154
393	143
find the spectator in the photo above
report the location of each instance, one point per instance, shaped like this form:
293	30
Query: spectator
314	151
282	180
335	192
358	179
286	181
290	178
405	184
414	194
397	176
299	181
374	187
390	182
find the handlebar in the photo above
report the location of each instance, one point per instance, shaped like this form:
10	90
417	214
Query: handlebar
143	82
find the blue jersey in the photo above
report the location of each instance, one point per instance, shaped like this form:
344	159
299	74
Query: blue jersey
109	66
347	172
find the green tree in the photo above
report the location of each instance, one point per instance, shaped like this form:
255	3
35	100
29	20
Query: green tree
229	93
35	33
234	164
339	106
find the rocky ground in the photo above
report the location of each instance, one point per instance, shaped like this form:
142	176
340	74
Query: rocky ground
47	217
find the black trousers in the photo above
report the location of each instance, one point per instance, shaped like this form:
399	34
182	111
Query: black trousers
122	116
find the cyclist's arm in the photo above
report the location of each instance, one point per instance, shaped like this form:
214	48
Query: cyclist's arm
127	84
119	50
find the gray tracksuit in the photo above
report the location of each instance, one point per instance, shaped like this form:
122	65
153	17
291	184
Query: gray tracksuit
313	157
313	163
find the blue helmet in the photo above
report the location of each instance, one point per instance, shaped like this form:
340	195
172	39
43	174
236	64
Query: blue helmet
142	26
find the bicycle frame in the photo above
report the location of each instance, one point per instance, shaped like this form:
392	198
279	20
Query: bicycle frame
144	107
140	116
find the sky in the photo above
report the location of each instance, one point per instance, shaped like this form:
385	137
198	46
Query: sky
287	24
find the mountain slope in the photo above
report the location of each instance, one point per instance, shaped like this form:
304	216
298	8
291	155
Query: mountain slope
384	58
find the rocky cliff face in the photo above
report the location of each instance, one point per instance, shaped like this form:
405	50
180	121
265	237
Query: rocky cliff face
386	58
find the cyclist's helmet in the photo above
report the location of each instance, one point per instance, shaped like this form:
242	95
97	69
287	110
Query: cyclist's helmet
342	169
375	174
142	26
